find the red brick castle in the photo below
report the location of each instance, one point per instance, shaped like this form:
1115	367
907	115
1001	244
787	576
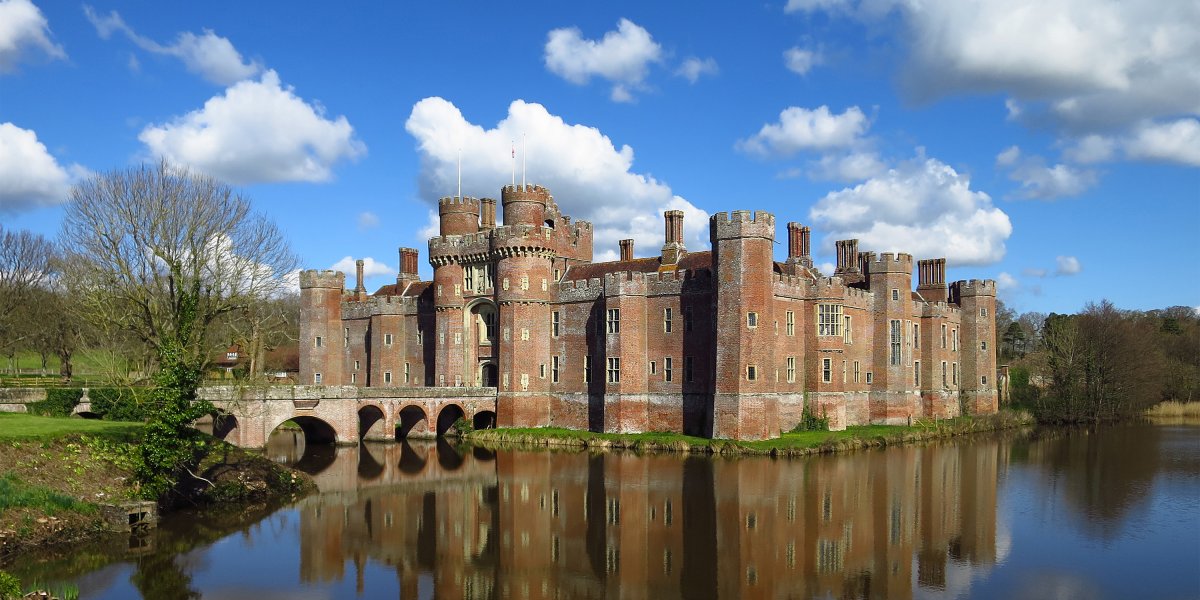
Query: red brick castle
725	343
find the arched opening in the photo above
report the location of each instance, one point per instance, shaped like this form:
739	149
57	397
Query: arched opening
480	323
86	415
306	443
223	424
411	461
487	374
446	418
484	419
447	456
316	431
550	223
412	422
370	423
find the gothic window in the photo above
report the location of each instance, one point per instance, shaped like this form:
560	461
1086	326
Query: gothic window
829	319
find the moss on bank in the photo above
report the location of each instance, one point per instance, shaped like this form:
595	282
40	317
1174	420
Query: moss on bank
55	472
788	444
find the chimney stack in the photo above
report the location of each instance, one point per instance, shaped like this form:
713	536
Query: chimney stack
360	292
487	214
931	276
626	250
798	246
847	256
408	266
673	248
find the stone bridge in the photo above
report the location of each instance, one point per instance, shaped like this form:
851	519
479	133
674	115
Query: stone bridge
343	415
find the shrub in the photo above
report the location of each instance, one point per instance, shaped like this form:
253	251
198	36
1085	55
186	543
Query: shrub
59	402
10	586
121	403
461	427
810	421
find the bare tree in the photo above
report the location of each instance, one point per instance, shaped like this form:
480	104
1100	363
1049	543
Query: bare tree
24	268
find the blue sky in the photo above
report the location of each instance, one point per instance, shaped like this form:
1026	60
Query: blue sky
1051	145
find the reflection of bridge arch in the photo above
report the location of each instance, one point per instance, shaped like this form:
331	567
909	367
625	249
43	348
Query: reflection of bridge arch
449	413
369	466
412	421
316	430
411	461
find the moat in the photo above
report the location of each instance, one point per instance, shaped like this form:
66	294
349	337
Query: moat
1108	512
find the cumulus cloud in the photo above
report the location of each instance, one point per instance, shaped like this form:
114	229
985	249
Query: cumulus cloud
1041	182
1175	141
591	178
368	220
1006	282
807	129
23	28
1086	66
848	166
1091	149
208	54
799	60
371	268
257	131
29	176
693	68
921	206
1067	265
623	57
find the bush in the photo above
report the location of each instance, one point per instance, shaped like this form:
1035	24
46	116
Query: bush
10	587
461	427
121	404
59	402
810	421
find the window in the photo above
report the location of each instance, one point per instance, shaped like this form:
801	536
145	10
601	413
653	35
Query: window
587	368
653	368
353	377
420	337
689	371
554	322
457	337
954	340
554	369
983	345
917	373
407	376
687	319
542	370
916	339
489	324
457	289
895	294
387	376
614	320
843	371
557	274
943	335
790	323
791	369
829	319
317	377
346	337
846	335
983	380
524	334
469	277
543	284
505	286
667	320
869	378
954	373
826	370
356	365
856	371
895	339
944	374
387	339
614	370
982	312
319	342
751	373
667	368
524	282
752	320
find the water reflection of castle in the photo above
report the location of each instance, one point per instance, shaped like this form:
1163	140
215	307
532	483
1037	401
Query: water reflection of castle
545	525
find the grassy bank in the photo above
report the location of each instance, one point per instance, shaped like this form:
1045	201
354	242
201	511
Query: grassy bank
1173	409
789	444
56	472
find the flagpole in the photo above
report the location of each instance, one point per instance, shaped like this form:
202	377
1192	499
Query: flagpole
460	173
522	160
513	143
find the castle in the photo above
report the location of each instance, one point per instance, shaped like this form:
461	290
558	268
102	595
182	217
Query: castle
722	343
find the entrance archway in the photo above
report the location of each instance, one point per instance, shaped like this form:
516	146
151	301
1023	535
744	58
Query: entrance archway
487	374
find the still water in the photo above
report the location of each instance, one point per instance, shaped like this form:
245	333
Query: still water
1110	512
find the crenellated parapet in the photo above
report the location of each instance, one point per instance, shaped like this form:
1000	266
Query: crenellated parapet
890	263
523	240
972	287
625	283
380	305
459	216
525	204
324	279
451	249
742	224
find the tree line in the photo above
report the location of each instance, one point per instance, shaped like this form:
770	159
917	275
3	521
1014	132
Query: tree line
1103	363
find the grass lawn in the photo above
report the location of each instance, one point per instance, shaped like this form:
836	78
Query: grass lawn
18	426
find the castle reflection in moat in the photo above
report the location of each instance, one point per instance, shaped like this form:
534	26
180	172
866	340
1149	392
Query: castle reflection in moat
578	525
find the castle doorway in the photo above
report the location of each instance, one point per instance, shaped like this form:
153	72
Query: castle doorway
487	374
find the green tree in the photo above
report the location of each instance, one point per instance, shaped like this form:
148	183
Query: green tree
158	254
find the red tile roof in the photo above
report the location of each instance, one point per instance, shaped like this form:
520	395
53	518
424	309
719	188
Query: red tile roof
692	261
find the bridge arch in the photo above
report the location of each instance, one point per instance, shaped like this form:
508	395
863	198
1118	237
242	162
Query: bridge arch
447	415
484	419
224	425
412	421
372	421
317	431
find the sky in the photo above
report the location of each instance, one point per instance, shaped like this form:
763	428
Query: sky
1051	145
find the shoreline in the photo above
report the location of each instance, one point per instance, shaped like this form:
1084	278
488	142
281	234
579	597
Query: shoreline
788	445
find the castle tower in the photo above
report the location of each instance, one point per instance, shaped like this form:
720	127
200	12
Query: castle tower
459	216
743	405
523	279
892	400
977	350
321	348
525	205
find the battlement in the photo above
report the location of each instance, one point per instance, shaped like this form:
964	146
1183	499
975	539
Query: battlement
528	193
326	279
890	263
973	287
456	204
742	224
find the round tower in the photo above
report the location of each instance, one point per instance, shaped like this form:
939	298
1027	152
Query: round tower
525	205
459	216
523	293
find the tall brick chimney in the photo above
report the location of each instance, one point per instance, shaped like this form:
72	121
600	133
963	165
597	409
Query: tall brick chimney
673	248
360	291
408	266
626	250
487	214
931	278
798	247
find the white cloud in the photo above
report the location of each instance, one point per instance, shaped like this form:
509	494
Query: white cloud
22	28
803	129
1006	282
922	207
850	166
257	131
590	177
1034	272
432	227
1085	65
623	57
1039	182
1091	149
208	54
1067	265
1176	141
826	268
693	68
371	268
799	60
368	220
29	175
